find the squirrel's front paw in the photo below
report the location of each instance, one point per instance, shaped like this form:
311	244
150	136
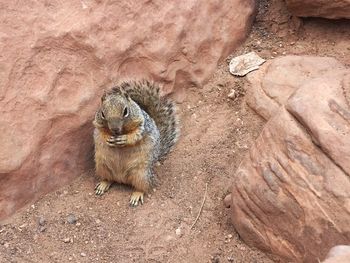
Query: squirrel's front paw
120	140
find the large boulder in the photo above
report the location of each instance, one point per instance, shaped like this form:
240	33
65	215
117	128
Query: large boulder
333	9
57	56
291	193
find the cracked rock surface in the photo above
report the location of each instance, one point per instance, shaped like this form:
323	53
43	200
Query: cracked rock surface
291	193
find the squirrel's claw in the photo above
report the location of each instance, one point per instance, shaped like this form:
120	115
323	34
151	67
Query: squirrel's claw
102	187
110	144
119	140
135	198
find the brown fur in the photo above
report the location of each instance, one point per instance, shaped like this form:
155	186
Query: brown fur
127	165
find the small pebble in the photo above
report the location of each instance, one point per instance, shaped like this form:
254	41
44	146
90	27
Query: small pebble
82	254
66	240
71	219
98	221
242	248
23	226
232	94
42	228
41	221
215	259
178	232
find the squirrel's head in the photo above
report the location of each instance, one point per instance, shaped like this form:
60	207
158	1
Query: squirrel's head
116	113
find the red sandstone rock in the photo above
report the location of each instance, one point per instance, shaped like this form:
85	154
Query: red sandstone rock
56	57
322	107
333	9
271	85
289	198
291	193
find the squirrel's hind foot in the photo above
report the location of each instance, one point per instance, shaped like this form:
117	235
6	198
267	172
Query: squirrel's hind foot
102	187
135	198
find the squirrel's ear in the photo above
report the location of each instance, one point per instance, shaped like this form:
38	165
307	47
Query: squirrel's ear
104	96
124	93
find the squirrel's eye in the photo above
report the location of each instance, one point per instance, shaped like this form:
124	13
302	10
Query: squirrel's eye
103	115
126	112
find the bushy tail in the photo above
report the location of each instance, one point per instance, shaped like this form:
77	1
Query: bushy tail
161	109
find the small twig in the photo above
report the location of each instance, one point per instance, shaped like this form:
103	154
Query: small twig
201	208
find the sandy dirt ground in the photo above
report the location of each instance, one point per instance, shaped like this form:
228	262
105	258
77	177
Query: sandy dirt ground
74	225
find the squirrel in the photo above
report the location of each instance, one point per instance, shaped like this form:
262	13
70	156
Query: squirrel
134	128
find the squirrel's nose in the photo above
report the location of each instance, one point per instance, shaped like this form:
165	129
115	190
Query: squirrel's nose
117	131
116	127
